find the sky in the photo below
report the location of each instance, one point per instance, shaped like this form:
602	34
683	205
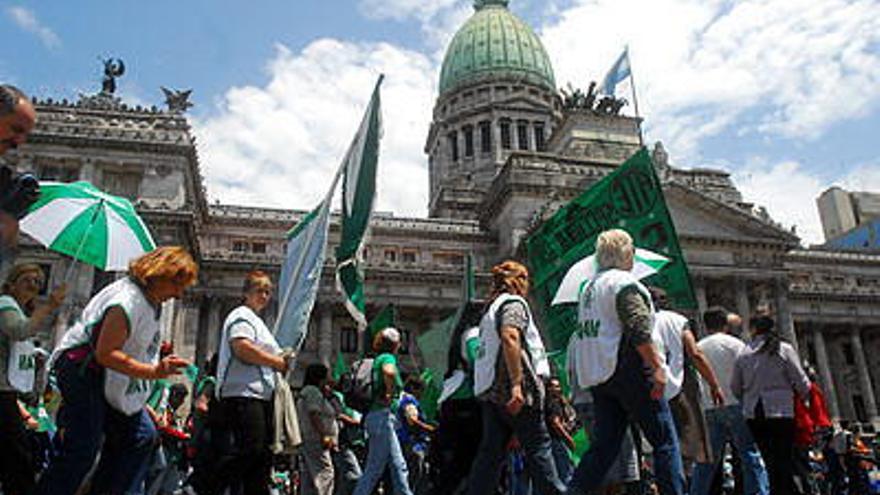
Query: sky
783	94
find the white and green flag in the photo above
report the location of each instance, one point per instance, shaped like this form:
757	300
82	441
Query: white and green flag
358	193
301	274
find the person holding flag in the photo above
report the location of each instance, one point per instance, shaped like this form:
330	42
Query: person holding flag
248	358
613	354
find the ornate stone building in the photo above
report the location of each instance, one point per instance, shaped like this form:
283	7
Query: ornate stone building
504	150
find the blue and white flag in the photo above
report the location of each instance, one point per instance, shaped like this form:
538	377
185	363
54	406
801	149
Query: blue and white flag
618	72
301	275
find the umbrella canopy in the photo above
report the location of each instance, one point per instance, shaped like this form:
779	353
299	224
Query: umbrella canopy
94	227
645	264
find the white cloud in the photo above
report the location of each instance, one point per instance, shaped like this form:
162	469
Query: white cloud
438	19
701	66
279	145
27	20
789	192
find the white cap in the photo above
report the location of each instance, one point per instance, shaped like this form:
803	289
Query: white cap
391	333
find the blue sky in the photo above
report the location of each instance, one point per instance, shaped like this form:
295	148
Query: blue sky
784	94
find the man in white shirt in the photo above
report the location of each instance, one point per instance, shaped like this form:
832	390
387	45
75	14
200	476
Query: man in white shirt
673	336
726	422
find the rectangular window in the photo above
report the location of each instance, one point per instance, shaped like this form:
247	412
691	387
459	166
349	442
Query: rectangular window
123	184
453	145
848	354
390	255
348	340
60	174
239	247
102	279
522	134
468	141
540	145
505	134
408	256
259	248
485	136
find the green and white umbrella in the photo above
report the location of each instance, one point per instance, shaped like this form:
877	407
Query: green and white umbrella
94	227
645	264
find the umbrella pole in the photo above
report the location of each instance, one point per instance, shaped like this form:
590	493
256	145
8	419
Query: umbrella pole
82	243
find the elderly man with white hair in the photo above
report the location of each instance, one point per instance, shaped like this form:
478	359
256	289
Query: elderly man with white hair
384	448
612	353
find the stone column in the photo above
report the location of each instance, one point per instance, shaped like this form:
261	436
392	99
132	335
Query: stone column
702	305
212	337
864	374
783	312
824	369
742	304
325	335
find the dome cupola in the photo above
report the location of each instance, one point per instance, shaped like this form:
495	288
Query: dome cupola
495	44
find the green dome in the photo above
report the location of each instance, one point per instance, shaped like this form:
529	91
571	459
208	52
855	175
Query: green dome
494	42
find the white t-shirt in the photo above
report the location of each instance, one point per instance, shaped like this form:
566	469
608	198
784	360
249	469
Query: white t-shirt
236	378
668	327
722	351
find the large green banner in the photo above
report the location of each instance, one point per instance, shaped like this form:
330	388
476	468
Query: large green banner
630	198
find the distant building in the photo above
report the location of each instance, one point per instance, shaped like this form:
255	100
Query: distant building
842	211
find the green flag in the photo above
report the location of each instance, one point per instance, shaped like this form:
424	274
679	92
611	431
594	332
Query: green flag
434	343
340	367
431	394
358	193
384	318
630	198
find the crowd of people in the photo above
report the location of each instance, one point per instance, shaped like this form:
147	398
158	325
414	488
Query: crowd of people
641	405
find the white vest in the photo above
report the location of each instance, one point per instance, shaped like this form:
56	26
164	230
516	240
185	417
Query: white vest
21	369
124	393
593	346
668	326
490	343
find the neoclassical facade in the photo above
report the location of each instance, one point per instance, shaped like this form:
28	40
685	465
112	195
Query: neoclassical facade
504	150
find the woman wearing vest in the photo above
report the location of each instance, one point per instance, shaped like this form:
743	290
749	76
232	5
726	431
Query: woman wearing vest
508	380
249	356
104	365
17	369
384	449
612	353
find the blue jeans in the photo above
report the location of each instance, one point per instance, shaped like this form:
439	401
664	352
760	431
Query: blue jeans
83	419
562	459
625	396
727	424
531	430
383	448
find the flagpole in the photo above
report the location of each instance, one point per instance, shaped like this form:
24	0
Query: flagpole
632	81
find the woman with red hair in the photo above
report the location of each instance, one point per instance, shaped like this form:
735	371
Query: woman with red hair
104	365
508	380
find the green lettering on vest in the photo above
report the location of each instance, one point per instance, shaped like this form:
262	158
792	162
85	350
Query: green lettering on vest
27	362
589	329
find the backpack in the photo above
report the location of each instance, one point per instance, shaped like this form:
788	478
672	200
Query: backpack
359	385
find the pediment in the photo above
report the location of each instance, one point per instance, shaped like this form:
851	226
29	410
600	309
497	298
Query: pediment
698	215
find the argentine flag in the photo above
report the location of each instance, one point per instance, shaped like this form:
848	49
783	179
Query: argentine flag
618	72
